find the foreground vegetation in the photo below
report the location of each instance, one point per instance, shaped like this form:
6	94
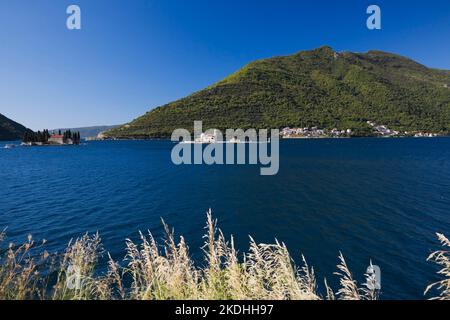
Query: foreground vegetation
317	88
167	272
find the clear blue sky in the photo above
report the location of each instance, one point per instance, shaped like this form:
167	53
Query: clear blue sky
131	56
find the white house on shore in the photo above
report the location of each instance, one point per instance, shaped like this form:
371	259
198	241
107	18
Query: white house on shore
56	139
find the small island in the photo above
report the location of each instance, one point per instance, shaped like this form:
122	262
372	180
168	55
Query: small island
45	138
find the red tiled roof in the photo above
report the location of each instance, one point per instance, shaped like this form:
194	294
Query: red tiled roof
56	136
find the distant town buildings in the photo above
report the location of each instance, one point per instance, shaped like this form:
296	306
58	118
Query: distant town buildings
382	130
425	135
379	130
314	132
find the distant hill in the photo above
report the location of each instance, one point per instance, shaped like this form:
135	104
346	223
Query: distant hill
11	130
312	88
88	132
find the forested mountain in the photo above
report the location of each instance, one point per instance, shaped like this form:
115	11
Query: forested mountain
319	88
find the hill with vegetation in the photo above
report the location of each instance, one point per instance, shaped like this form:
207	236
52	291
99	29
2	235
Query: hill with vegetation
11	130
319	88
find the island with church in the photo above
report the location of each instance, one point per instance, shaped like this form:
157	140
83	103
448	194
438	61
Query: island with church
45	138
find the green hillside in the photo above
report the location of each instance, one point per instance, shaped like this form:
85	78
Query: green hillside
10	130
312	88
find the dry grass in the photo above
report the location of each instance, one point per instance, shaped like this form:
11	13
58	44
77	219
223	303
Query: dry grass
151	271
18	274
75	279
441	258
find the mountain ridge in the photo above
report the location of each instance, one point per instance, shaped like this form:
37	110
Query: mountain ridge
11	130
318	87
89	131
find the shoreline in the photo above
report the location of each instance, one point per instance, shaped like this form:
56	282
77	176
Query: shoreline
17	142
283	138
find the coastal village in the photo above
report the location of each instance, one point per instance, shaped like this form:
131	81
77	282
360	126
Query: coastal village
314	132
377	131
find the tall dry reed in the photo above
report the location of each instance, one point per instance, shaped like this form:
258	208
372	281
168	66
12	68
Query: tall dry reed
441	258
152	271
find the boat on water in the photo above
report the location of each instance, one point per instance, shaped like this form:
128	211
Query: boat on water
234	140
9	146
204	138
212	140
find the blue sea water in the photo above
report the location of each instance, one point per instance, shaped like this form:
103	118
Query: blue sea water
378	199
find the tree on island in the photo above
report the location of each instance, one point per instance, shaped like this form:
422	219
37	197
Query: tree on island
26	137
76	137
34	137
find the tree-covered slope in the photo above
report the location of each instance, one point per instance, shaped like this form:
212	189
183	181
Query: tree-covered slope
11	130
312	88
